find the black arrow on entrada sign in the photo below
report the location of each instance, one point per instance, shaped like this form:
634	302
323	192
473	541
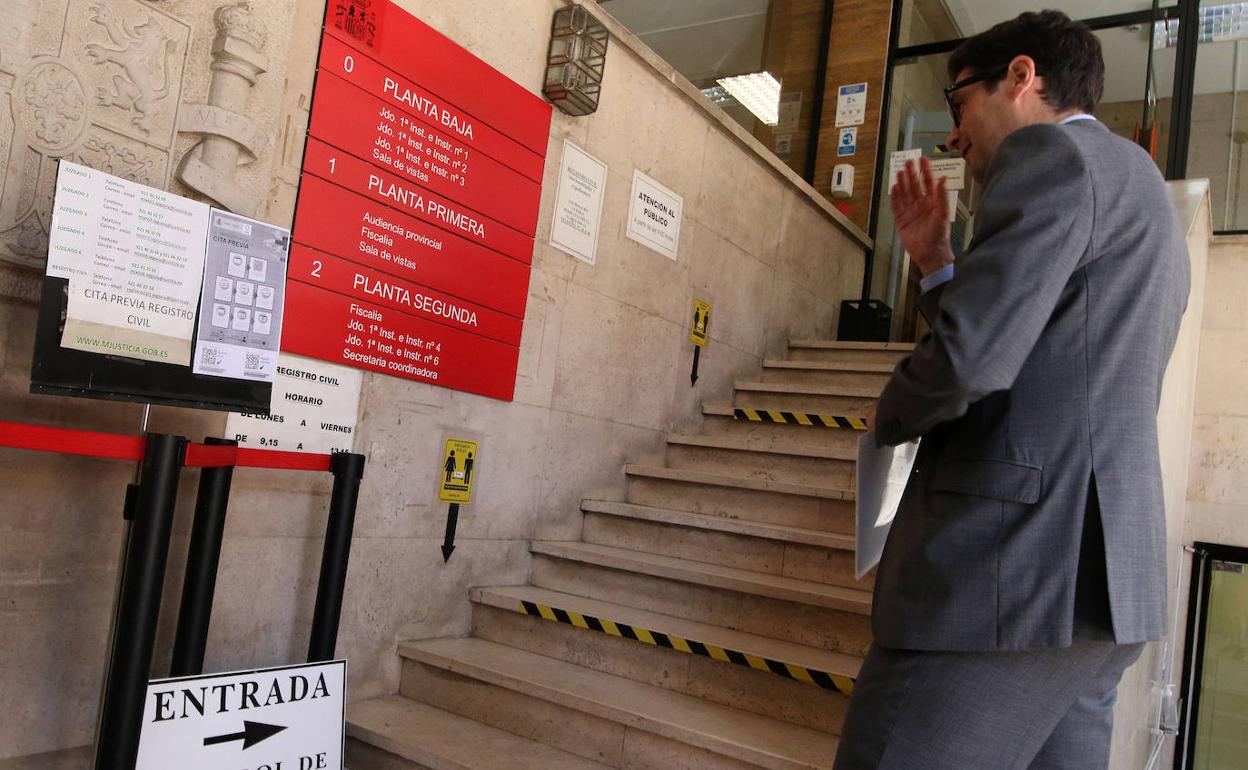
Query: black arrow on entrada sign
693	376
448	542
253	733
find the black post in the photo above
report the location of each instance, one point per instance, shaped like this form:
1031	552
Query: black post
202	560
130	662
348	469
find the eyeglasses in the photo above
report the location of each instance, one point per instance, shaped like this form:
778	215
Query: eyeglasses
955	109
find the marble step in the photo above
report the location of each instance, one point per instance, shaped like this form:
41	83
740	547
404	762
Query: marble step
394	732
792	682
722	420
841	401
734	455
849	352
805	554
851	374
807	506
805	612
599	716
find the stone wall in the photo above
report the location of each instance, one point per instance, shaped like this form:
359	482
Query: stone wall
604	364
1218	491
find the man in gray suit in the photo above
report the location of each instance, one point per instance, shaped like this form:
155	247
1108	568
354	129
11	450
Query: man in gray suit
1025	568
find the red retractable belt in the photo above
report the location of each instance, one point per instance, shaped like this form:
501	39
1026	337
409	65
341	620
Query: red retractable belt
209	456
110	446
113	446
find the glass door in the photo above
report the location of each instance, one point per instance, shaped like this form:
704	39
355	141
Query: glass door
1216	728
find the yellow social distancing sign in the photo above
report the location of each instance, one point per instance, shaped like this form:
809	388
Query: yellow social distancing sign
457	471
700	328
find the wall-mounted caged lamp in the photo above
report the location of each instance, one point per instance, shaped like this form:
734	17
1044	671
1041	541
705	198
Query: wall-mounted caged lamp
578	53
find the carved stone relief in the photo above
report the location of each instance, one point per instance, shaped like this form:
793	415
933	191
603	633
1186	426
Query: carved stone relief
102	83
230	137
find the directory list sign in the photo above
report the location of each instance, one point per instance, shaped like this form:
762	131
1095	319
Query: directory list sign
417	208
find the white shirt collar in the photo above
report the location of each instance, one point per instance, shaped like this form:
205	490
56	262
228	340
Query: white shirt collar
1077	116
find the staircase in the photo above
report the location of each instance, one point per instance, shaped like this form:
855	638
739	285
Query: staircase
711	621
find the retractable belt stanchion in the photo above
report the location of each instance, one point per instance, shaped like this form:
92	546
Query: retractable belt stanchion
149	506
121	718
348	470
202	560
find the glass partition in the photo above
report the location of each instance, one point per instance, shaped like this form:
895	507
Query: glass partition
933	21
1217	662
1219	129
755	59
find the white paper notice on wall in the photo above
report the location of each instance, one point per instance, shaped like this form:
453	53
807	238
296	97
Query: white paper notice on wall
953	170
244	282
897	162
134	258
654	215
789	113
315	408
851	105
578	203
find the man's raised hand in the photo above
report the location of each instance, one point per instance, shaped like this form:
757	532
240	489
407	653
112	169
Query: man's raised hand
921	210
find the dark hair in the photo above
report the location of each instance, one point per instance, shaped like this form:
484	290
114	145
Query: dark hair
1067	56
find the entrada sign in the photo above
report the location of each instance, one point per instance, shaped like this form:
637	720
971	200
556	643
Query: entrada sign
287	718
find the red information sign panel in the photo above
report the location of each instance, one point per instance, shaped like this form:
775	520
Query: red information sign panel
417	208
320	159
379	288
353	227
353	120
419	104
337	328
414	50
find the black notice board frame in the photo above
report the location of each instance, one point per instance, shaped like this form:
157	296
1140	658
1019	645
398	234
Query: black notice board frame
59	371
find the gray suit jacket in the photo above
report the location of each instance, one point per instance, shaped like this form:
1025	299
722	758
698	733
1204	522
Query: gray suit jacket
1038	385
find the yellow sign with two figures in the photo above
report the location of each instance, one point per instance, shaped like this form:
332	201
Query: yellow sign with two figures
700	329
455	485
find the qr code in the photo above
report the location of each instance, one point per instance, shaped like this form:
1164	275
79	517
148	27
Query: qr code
211	359
252	362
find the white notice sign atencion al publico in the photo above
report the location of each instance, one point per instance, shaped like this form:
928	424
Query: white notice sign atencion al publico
952	170
290	717
315	408
654	215
578	203
134	259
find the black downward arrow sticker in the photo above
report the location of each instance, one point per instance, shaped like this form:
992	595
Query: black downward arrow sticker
693	375
253	733
448	542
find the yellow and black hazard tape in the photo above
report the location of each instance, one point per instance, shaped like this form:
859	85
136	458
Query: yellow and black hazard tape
800	418
841	684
